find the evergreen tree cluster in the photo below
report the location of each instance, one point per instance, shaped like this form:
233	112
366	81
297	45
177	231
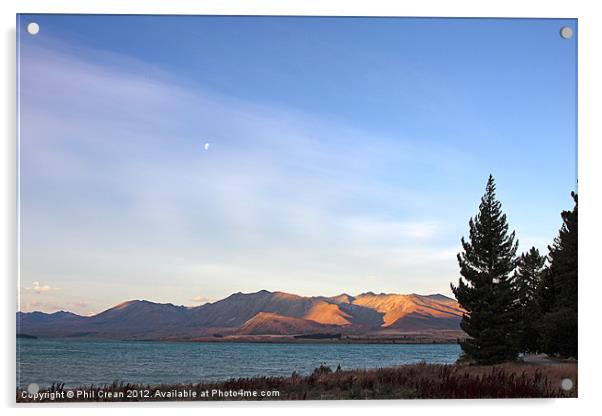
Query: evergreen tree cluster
514	304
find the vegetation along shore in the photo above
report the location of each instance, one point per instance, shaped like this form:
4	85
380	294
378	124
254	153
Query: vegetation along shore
416	381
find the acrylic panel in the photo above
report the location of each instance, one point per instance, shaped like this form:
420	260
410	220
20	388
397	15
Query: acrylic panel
296	208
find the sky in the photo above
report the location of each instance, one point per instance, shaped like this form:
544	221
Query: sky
345	154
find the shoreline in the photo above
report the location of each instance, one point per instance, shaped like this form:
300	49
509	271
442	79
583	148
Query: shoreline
399	339
256	341
354	342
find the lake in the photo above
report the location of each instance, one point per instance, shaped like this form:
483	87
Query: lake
77	363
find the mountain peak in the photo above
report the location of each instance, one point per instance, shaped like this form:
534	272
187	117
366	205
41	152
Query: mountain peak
262	292
367	294
342	298
127	303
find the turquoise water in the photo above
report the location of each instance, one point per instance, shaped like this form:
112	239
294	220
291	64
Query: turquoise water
77	363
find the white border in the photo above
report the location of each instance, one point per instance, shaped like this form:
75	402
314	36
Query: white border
590	137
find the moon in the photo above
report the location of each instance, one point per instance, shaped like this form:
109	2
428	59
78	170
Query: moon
206	146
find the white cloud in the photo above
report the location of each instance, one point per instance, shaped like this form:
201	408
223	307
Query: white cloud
37	287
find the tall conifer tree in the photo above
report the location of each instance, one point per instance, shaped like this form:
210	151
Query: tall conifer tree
558	295
485	288
527	280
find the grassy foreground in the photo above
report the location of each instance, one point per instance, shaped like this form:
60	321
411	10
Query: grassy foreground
418	381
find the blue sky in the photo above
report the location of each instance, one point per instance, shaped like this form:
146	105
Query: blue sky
347	154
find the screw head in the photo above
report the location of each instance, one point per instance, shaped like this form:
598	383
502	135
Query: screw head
566	32
33	388
566	384
33	28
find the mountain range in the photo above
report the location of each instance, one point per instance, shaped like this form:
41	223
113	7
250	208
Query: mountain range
261	313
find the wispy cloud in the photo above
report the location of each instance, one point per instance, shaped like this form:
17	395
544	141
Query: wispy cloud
37	287
392	231
118	189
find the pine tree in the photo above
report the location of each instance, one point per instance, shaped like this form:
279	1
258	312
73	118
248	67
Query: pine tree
558	295
485	289
527	281
530	268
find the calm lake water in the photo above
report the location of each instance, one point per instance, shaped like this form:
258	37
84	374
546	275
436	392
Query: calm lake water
77	363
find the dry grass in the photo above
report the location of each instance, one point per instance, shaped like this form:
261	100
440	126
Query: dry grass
419	381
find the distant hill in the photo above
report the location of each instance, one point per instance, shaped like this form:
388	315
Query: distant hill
266	323
259	313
